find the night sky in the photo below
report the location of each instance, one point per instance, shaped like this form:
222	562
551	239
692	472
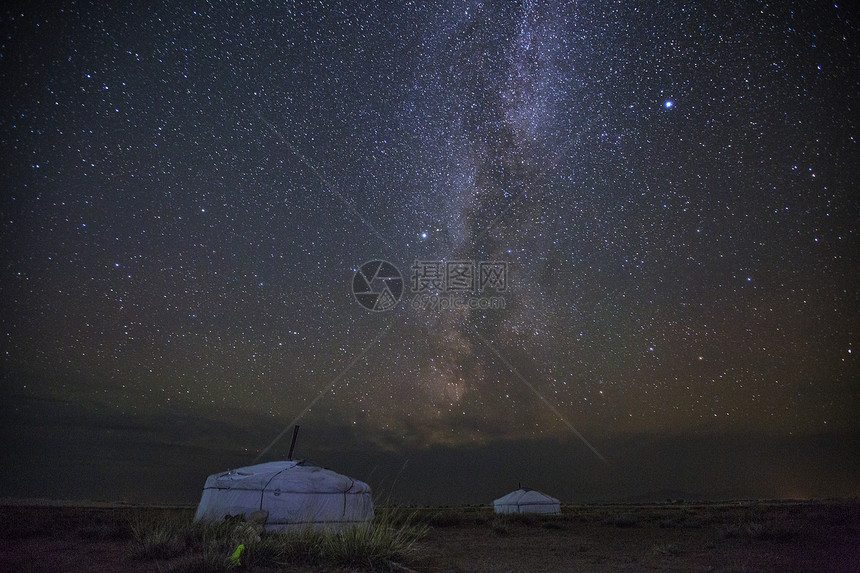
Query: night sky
189	189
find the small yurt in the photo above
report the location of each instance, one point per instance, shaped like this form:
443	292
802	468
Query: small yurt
294	494
525	500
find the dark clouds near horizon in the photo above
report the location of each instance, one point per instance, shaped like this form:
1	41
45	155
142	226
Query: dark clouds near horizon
64	451
187	192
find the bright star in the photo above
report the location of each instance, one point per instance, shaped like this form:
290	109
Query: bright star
424	235
669	103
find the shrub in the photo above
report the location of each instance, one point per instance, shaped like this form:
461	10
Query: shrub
376	543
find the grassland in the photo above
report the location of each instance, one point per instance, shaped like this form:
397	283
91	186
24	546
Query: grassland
717	537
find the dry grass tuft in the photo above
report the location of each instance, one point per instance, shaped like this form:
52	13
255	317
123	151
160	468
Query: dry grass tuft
191	546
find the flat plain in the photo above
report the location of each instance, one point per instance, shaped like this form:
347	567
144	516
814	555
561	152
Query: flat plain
673	536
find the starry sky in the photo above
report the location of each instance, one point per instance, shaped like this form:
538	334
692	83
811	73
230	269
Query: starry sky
189	189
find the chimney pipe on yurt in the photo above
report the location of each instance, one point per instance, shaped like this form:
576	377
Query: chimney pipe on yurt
293	443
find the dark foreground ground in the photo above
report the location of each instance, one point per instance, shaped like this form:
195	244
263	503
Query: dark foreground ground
818	536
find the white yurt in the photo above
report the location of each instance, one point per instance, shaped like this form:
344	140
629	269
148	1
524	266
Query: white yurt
525	500
296	494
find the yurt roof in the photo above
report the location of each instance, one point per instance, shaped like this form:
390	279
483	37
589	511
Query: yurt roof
289	476
526	496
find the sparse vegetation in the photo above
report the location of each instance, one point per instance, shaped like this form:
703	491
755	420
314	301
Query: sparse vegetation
159	534
456	517
500	525
600	537
622	520
664	549
190	546
769	530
